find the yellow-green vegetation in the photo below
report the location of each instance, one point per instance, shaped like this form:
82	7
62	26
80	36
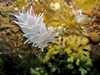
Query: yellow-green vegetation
77	50
55	11
57	48
21	3
86	5
38	71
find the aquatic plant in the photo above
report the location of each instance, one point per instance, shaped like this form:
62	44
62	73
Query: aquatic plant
57	48
34	28
38	71
76	49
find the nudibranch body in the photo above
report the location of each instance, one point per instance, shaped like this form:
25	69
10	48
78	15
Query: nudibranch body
34	28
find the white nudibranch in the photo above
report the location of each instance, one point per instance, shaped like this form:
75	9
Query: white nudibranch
34	28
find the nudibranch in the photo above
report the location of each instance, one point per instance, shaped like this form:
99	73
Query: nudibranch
34	28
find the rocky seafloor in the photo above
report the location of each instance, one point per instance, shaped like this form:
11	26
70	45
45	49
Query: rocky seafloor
75	50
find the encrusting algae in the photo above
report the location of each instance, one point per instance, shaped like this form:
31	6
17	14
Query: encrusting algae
49	8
